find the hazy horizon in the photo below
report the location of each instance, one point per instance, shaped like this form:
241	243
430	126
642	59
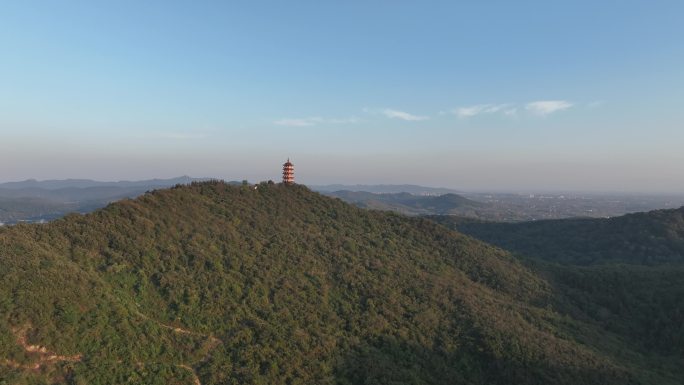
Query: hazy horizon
460	189
495	96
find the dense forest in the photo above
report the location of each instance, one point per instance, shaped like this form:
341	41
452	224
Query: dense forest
650	238
410	204
623	274
272	284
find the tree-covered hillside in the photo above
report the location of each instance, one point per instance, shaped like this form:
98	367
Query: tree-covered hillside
409	204
650	238
272	284
624	275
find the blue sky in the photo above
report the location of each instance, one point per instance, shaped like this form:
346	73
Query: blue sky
475	95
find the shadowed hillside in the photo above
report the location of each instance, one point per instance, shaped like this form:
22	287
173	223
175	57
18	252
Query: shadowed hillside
650	238
624	274
218	284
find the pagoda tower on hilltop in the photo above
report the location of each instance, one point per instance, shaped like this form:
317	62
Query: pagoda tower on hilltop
288	172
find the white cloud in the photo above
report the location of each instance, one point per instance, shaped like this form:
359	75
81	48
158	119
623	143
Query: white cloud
470	111
596	104
396	114
312	121
540	107
546	107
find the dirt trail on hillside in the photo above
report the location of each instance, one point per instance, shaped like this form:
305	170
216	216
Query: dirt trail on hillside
194	374
43	354
213	342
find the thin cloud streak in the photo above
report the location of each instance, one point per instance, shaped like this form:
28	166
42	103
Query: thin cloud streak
546	107
470	111
402	115
539	107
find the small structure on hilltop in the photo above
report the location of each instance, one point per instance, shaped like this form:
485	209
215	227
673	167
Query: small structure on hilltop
288	172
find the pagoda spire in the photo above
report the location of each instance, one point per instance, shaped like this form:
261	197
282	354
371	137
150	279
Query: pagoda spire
288	172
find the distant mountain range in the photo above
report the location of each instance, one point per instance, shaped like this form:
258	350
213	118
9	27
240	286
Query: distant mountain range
501	207
57	184
33	200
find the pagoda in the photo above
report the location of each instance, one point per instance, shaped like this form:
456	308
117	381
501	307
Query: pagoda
288	172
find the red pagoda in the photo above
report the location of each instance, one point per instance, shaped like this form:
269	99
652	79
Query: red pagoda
288	172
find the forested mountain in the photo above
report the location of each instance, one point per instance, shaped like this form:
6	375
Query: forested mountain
409	204
650	238
625	274
273	284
